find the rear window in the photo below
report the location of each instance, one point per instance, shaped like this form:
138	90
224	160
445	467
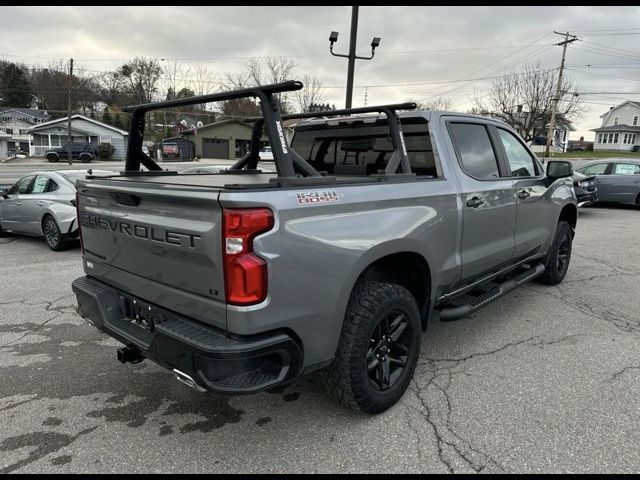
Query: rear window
364	149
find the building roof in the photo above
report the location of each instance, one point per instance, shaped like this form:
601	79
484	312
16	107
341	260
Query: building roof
31	112
617	128
635	104
215	124
79	117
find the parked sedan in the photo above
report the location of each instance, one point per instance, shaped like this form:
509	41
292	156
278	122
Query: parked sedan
43	204
617	180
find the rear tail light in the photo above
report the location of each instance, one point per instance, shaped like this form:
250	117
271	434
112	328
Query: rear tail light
76	204
245	274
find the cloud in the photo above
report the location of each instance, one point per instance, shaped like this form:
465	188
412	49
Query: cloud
419	44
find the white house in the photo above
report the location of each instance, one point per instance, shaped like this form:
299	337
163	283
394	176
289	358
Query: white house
620	128
4	151
15	122
83	130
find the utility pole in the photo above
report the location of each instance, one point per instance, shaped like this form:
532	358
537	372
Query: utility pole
333	38
568	38
69	136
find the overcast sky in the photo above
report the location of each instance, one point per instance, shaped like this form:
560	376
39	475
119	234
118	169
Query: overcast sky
420	45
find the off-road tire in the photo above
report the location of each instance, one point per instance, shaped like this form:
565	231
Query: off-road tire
559	255
347	378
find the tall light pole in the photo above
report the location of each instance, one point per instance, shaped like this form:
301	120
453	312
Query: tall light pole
333	38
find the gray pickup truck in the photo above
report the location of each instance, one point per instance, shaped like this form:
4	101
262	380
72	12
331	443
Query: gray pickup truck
377	221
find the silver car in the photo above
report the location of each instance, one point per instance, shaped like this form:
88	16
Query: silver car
617	180
43	204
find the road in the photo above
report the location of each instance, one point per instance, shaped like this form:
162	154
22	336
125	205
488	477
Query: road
546	379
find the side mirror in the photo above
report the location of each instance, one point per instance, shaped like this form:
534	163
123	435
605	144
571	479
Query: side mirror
559	169
4	193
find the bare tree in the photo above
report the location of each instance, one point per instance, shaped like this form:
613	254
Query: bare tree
204	81
311	94
524	100
270	70
437	103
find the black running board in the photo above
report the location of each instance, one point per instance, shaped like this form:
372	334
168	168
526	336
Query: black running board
497	290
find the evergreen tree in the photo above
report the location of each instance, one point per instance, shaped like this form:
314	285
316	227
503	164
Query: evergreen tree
117	121
106	117
15	86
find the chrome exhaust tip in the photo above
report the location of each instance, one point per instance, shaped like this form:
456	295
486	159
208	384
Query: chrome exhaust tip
187	380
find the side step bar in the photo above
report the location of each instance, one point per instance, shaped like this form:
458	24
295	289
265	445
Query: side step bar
471	303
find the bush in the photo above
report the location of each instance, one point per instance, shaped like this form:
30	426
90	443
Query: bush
105	151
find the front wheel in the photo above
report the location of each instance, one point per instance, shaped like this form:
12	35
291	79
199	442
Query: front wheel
52	234
378	348
559	255
52	158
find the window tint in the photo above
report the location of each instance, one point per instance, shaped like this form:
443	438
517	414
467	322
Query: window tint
22	186
362	149
626	169
474	150
520	161
597	169
40	184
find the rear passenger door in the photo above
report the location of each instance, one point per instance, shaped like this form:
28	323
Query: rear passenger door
623	185
488	202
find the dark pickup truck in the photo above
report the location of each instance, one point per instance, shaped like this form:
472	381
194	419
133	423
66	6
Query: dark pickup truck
377	221
85	152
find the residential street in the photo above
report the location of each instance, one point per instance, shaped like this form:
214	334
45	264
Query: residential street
544	380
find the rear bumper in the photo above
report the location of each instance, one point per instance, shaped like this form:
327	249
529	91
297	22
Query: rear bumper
214	360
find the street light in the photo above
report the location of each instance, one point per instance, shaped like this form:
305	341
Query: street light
333	38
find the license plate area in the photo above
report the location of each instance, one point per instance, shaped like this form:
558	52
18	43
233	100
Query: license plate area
140	314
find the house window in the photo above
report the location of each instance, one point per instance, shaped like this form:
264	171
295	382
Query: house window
616	120
9	131
105	139
635	120
634	138
605	137
615	138
599	138
624	139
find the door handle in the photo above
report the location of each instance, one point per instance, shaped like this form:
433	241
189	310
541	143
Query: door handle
475	202
18	204
522	194
40	204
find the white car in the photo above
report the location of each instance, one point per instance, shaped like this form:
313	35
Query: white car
43	204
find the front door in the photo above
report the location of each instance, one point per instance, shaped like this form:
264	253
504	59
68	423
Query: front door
533	226
489	206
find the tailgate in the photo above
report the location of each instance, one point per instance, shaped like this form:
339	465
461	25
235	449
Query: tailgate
157	241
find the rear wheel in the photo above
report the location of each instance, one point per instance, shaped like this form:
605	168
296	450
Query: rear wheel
378	349
85	158
52	158
559	255
638	201
52	233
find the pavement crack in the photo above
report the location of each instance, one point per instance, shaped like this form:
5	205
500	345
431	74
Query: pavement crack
619	373
29	332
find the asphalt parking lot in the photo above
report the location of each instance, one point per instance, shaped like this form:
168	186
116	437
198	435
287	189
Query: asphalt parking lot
544	380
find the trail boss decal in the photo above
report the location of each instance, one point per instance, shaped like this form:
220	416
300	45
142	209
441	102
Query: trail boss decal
310	198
